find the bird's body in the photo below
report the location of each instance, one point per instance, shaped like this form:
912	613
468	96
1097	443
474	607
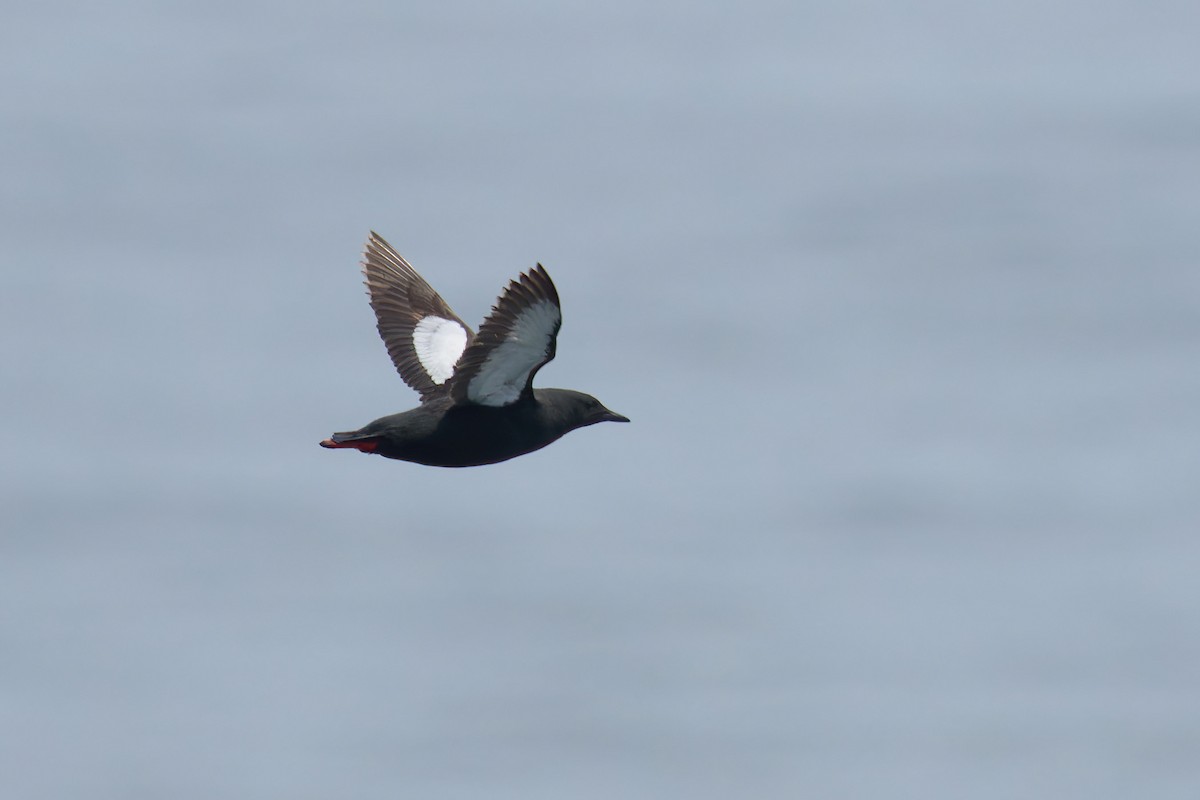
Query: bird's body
478	404
441	434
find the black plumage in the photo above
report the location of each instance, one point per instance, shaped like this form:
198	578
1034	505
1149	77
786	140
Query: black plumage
478	404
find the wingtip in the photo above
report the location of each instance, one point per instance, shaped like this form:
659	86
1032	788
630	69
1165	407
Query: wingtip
374	241
376	245
377	254
539	279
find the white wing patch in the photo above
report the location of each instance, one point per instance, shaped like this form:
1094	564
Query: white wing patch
438	343
504	374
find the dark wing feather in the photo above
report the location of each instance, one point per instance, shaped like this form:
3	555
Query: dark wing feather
515	340
405	305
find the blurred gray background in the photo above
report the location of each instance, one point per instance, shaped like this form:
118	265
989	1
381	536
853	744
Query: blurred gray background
902	300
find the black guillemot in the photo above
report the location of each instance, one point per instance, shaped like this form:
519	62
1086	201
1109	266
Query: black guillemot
478	404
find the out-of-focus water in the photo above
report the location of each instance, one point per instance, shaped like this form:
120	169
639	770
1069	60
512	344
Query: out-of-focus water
903	302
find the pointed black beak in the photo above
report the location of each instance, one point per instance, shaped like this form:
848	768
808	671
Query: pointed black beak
610	416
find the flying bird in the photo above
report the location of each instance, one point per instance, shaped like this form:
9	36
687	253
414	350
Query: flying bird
478	404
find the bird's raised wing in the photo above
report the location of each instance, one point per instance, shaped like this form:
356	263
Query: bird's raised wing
513	343
423	335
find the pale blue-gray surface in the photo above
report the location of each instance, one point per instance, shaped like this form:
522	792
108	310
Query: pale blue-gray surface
903	300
